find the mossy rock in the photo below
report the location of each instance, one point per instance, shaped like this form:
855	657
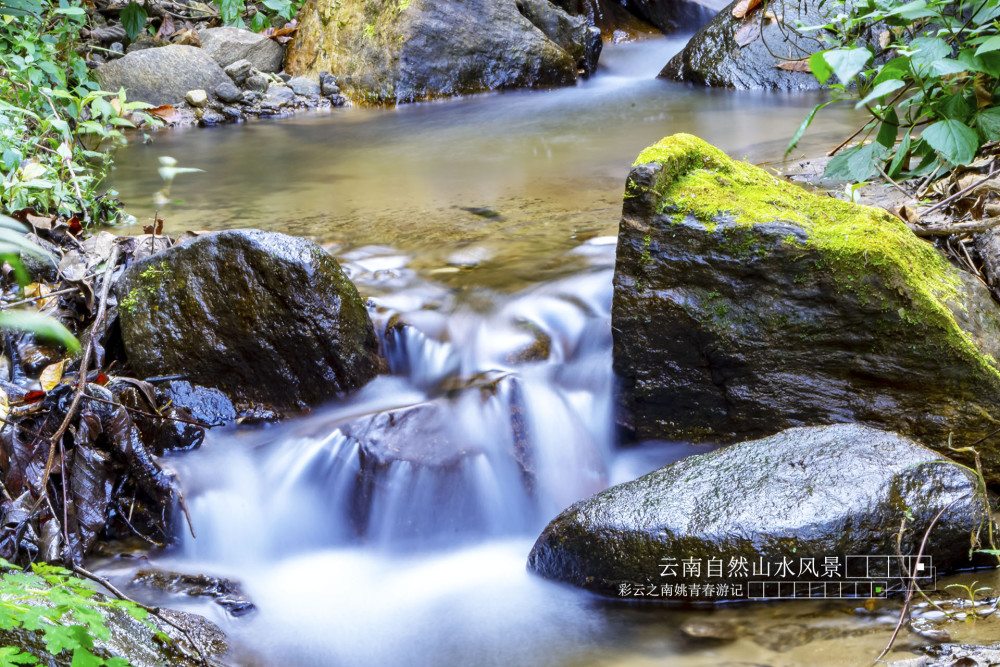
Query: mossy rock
806	494
389	51
263	316
744	305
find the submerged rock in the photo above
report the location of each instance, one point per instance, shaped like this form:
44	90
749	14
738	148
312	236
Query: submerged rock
744	53
420	49
744	305
163	75
806	493
263	316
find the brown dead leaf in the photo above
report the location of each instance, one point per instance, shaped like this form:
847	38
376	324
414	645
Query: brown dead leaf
40	221
166	28
794	65
52	376
186	37
165	113
35	290
283	35
744	7
748	32
906	214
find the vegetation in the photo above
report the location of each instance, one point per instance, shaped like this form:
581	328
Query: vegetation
232	12
927	71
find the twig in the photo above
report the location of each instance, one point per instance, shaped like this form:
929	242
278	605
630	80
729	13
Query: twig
948	229
958	194
82	384
12	304
894	183
153	416
156	611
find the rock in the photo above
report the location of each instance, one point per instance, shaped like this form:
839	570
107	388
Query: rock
257	82
426	49
806	493
278	96
135	642
715	58
744	305
197	98
709	631
227	593
162	75
328	84
228	92
143	42
117	48
205	404
571	33
211	117
262	316
959	655
615	22
229	45
673	15
302	85
239	71
284	76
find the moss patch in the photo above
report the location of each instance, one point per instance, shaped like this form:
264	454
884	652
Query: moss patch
855	243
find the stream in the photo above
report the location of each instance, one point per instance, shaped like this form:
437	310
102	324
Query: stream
487	226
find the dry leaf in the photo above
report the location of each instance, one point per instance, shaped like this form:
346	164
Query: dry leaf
35	290
283	35
116	105
166	28
884	39
4	405
186	37
748	32
906	214
40	221
794	65
166	113
744	7
52	375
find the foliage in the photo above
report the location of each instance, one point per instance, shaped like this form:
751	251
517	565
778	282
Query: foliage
64	610
53	117
232	13
927	71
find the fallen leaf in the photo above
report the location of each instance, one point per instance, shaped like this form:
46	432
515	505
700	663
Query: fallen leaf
744	7
772	17
166	28
906	214
884	39
794	65
4	405
283	35
98	248
52	375
40	221
35	290
33	396
75	228
165	112
116	105
73	266
748	32
186	37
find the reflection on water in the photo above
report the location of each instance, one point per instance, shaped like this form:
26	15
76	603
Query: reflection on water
527	174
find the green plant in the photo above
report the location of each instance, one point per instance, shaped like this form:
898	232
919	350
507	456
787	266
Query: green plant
54	119
971	592
927	72
64	610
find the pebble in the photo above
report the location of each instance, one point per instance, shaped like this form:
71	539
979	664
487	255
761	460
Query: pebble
118	48
196	98
239	71
228	92
257	82
304	86
211	117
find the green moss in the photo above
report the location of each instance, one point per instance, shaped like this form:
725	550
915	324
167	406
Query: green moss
866	250
149	283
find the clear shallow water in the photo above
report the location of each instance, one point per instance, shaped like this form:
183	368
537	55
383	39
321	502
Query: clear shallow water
487	225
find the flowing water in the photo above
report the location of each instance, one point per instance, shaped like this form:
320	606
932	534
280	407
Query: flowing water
482	232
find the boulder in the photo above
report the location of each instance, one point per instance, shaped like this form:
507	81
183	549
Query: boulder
571	33
744	305
228	45
744	53
614	21
796	499
163	75
673	15
263	316
434	48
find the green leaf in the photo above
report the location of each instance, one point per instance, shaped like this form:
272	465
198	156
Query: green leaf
13	657
820	69
881	90
84	658
847	63
21	244
803	127
42	326
988	122
926	51
133	19
70	11
888	130
855	164
991	44
259	22
953	140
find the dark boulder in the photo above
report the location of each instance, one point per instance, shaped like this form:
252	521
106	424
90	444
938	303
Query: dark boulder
262	316
673	15
424	49
744	305
162	75
744	53
799	497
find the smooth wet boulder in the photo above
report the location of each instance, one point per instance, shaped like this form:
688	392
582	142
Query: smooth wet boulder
744	53
227	45
806	493
673	15
419	49
262	316
744	305
162	75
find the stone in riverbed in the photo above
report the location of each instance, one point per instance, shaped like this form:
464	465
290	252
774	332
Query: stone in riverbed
303	85
805	493
162	75
239	71
744	305
197	98
228	92
228	45
715	58
430	48
673	15
262	316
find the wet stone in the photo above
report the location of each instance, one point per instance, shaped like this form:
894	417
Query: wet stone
228	92
239	71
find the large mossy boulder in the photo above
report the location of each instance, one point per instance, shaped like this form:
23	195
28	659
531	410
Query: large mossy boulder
162	75
409	50
744	305
796	498
744	53
263	316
